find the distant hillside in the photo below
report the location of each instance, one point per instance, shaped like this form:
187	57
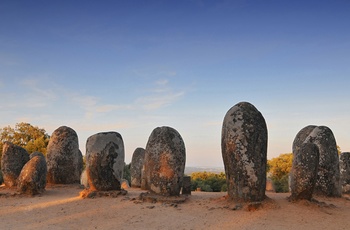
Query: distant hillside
189	170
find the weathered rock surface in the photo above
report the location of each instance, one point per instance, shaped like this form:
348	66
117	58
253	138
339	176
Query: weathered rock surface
304	171
301	137
13	159
105	161
164	163
328	175
186	185
137	161
344	163
244	152
84	179
32	179
64	159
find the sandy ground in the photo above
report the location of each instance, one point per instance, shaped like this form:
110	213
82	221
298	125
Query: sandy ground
61	207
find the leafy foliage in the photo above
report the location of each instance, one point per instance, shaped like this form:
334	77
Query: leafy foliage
32	138
208	182
279	168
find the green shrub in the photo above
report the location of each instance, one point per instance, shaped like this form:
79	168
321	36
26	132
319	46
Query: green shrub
280	185
208	182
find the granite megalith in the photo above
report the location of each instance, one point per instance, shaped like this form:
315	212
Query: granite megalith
32	179
137	161
328	174
244	152
13	159
164	164
105	161
64	159
304	171
344	163
301	137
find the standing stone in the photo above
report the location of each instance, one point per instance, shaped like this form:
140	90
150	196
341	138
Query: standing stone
186	185
304	171
32	179
301	137
328	176
105	161
244	152
84	179
344	164
13	159
64	159
164	164
138	158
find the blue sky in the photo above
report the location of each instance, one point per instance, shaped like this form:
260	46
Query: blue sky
132	66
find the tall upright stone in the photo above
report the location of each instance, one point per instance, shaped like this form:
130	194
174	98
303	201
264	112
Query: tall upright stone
244	152
328	176
32	179
64	159
164	163
13	159
304	171
137	161
105	161
301	137
344	163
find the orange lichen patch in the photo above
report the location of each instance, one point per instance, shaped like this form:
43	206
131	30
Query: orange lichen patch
165	170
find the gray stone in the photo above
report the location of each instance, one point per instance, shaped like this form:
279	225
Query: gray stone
301	137
186	185
64	159
244	152
344	163
137	161
164	163
105	161
32	179
13	159
304	171
328	176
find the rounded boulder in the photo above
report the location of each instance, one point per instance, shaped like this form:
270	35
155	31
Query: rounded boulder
304	171
105	161
64	159
32	179
137	162
13	159
164	164
244	152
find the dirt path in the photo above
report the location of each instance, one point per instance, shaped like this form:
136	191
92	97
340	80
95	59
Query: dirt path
60	207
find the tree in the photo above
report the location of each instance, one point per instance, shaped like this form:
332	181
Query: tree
208	181
279	168
32	138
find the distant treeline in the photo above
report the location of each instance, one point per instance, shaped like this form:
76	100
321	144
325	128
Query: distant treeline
208	181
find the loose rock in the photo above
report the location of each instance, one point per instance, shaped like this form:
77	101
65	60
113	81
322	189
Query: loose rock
244	151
